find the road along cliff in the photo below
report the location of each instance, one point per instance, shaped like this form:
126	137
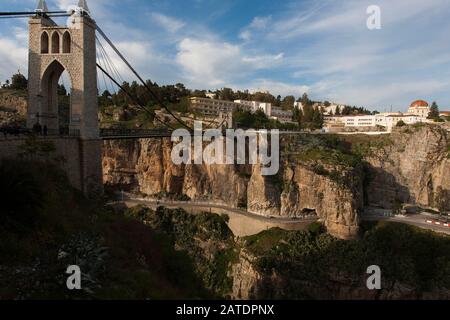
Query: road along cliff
315	178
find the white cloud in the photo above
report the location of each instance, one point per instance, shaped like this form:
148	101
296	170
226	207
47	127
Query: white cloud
275	87
214	63
258	24
13	57
208	62
168	23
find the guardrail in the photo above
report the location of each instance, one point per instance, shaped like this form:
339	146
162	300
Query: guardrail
133	132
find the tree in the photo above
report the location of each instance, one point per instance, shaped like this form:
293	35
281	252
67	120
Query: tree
317	120
6	85
62	90
226	94
19	82
434	111
401	123
305	100
338	111
288	103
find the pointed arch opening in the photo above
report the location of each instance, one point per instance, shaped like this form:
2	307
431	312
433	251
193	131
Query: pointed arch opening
55	42
44	42
67	42
56	99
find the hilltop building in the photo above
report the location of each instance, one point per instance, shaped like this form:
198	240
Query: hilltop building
417	112
419	108
214	107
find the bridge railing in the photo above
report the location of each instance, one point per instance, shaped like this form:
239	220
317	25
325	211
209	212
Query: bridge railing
133	132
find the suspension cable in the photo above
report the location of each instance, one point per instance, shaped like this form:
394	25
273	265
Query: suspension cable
109	69
24	13
135	99
103	75
155	96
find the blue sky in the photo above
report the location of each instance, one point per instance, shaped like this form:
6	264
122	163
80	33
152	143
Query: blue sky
286	47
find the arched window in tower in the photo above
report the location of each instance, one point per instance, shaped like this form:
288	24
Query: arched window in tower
44	42
55	42
67	42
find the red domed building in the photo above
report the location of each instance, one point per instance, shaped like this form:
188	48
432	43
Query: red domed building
419	108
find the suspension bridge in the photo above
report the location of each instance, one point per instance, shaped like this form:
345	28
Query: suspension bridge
96	45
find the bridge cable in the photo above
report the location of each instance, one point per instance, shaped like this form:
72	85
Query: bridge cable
109	70
103	75
135	99
113	70
33	13
109	62
155	96
103	58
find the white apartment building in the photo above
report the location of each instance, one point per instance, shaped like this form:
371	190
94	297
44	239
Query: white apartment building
387	120
213	107
281	115
255	105
270	111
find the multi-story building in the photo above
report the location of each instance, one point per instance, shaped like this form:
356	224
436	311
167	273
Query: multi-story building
213	107
419	108
256	105
387	120
281	115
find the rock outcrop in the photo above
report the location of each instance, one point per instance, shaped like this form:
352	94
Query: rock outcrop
413	168
144	166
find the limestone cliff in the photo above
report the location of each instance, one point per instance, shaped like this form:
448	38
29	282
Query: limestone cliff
144	166
413	167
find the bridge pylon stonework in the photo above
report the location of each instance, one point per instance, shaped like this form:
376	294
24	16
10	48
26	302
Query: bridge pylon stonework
54	49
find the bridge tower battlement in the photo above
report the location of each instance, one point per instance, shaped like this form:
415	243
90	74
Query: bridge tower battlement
54	49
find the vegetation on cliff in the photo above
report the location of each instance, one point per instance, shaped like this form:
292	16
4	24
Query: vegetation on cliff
302	260
325	155
205	237
45	226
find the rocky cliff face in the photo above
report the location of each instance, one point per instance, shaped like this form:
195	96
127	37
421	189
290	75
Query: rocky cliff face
414	168
144	166
412	165
13	106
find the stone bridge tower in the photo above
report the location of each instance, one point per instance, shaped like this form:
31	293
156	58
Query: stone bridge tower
54	49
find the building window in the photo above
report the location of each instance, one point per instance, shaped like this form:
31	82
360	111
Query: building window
44	42
67	42
55	42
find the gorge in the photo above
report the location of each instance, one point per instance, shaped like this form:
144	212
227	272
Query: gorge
336	177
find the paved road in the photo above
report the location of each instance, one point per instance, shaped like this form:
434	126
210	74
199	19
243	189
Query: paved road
239	217
415	220
206	206
241	222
